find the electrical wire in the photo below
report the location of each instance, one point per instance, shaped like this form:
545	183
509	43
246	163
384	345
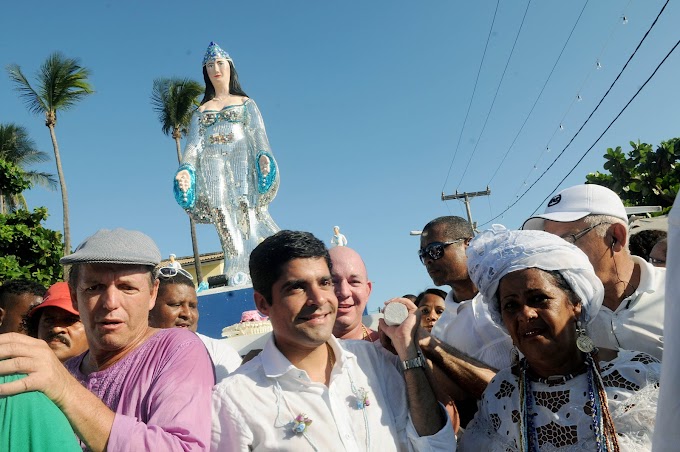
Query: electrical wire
493	102
609	126
578	19
593	112
546	149
474	90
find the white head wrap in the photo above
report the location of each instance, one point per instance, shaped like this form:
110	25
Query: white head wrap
496	252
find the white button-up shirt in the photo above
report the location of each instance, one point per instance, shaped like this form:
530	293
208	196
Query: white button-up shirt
254	408
637	324
472	331
449	314
224	357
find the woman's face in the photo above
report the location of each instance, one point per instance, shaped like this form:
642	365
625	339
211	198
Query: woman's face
538	314
218	71
431	308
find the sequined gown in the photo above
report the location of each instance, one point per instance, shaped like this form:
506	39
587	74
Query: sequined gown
228	187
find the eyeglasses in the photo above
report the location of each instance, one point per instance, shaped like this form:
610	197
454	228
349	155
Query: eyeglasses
435	250
170	272
572	238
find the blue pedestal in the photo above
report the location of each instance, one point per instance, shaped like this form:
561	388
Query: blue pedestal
221	307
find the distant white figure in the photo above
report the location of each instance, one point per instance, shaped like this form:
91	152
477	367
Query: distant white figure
338	239
173	263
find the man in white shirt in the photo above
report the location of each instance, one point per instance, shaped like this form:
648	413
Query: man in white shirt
465	323
177	307
307	390
593	218
466	347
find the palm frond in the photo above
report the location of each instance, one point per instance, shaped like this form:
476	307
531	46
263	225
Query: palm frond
173	100
43	179
17	147
63	82
26	92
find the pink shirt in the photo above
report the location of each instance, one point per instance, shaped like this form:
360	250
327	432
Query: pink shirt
160	393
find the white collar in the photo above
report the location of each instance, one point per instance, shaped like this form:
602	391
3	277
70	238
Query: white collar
275	364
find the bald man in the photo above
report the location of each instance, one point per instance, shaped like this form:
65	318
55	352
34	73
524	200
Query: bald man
352	288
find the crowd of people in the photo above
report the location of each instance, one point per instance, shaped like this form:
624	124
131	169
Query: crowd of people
551	338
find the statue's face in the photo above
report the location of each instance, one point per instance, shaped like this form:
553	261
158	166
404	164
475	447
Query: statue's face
218	71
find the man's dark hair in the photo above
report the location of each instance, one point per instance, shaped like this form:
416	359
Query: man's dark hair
269	257
641	243
20	287
30	323
454	228
440	293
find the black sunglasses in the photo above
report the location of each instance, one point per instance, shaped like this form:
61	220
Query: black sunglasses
435	250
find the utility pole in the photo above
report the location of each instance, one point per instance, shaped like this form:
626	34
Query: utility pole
466	199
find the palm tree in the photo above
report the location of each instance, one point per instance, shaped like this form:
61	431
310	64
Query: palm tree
174	100
61	83
19	149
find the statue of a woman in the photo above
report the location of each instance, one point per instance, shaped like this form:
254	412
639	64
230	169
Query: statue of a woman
228	174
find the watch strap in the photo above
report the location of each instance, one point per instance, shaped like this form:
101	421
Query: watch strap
418	361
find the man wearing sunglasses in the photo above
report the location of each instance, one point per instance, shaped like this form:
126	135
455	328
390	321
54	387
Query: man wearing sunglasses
465	344
593	218
466	323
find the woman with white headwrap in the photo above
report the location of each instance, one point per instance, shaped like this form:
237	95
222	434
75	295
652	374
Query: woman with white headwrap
564	394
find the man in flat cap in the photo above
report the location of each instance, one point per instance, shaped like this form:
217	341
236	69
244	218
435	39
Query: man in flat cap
137	388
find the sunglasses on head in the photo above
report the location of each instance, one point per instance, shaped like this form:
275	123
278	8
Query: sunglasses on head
435	250
170	272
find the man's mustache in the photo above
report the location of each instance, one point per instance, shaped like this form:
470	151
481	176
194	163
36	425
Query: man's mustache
60	337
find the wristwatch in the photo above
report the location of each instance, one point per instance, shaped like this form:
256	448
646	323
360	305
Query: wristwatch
418	361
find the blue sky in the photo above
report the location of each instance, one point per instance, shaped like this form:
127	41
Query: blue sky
364	104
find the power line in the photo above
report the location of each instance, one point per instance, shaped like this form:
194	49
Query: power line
493	102
560	127
578	19
593	112
474	90
608	127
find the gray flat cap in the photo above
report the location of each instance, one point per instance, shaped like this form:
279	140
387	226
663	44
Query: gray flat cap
118	246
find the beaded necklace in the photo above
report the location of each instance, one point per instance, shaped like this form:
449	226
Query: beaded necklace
596	399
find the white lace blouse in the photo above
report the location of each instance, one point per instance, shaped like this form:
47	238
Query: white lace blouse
562	412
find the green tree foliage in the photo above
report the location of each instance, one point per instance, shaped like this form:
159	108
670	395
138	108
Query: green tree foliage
27	249
643	177
12	179
18	148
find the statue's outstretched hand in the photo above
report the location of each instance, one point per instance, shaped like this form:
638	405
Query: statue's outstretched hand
265	165
183	180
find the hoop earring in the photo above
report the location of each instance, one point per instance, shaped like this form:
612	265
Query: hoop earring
583	342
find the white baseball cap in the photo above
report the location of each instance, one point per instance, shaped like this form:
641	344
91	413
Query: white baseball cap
577	202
